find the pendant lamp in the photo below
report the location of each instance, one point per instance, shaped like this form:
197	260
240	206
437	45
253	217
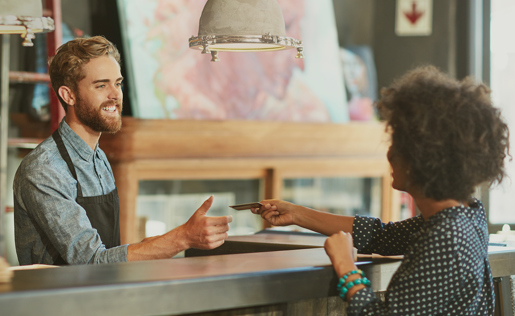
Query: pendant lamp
242	26
24	17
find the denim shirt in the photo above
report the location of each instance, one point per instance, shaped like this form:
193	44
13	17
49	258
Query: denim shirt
48	220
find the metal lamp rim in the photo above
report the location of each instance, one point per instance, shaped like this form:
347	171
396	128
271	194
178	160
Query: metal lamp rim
276	42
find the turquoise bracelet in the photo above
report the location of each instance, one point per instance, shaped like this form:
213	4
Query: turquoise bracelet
343	287
343	279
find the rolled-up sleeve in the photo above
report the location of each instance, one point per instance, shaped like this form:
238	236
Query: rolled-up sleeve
373	236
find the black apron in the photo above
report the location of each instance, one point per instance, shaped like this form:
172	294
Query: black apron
102	210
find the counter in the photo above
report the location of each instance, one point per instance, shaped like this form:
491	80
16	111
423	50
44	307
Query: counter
265	283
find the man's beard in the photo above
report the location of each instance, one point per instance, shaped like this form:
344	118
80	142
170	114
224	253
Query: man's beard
92	117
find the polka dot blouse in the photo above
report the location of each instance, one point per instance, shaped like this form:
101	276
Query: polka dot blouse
445	270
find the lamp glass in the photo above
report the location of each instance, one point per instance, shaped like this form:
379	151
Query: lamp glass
245	47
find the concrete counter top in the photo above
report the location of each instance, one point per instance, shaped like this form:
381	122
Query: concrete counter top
194	284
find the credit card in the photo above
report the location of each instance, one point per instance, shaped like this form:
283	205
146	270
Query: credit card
246	206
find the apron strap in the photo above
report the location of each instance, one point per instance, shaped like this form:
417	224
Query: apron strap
102	211
64	154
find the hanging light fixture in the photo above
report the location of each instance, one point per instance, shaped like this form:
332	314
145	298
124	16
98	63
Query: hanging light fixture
24	17
242	26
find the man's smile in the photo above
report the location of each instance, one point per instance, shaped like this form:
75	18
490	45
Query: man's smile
110	108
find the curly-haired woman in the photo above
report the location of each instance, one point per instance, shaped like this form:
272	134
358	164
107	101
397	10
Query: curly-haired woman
446	139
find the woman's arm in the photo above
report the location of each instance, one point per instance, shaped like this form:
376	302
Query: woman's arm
339	248
282	213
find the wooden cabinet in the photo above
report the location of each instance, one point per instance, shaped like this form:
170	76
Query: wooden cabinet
272	151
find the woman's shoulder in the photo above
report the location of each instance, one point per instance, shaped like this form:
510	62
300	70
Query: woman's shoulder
460	226
460	216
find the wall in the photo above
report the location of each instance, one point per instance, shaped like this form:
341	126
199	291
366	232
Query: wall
355	21
372	23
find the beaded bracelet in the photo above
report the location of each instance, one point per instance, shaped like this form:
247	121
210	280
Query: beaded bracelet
343	287
344	278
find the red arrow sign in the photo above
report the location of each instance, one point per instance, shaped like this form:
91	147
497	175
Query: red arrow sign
414	15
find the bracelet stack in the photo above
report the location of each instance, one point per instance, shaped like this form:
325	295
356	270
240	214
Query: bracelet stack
343	286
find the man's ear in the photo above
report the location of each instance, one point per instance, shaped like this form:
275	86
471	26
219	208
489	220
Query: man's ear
67	95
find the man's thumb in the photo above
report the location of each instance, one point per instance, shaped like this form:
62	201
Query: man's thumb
202	210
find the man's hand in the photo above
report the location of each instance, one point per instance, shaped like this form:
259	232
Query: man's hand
204	232
200	231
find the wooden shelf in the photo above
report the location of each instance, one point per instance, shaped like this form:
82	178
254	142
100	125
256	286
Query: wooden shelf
28	77
165	139
27	143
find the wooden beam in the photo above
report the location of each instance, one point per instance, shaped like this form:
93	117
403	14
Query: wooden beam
165	139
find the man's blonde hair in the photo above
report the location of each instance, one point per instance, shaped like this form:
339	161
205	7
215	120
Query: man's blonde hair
65	68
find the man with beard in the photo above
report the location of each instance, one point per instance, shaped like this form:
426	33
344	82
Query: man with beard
65	199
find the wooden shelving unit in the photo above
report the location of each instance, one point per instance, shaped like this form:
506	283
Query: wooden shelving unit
53	9
54	39
28	77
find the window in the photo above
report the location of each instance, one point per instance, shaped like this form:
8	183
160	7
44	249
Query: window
165	204
502	65
343	196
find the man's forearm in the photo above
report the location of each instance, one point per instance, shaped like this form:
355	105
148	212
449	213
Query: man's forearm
159	247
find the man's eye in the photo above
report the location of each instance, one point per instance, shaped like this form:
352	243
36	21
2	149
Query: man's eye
101	86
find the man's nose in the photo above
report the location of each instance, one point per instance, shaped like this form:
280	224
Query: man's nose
115	93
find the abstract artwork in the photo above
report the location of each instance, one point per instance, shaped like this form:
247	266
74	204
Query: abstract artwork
167	79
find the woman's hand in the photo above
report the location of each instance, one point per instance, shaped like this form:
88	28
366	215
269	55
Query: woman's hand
277	212
340	249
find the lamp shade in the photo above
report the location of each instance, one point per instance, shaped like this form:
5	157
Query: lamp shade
242	18
24	17
242	26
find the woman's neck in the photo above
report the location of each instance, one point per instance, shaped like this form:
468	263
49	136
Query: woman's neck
429	207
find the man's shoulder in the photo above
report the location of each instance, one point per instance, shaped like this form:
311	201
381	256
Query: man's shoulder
41	156
44	159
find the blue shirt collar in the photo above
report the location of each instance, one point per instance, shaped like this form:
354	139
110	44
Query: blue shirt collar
76	142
